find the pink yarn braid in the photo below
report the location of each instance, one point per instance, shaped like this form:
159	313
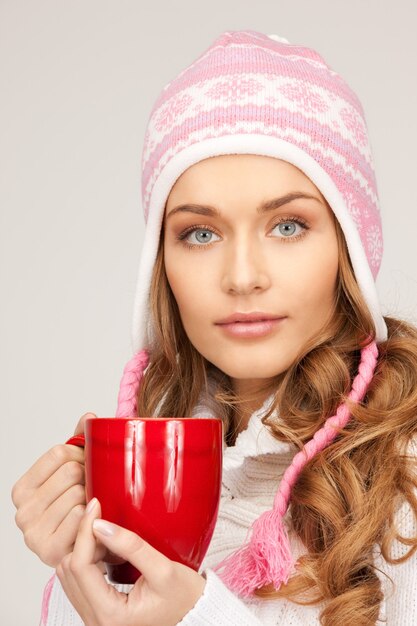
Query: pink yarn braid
267	557
129	385
46	599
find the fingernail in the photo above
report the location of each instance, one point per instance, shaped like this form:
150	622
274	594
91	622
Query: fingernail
103	527
90	506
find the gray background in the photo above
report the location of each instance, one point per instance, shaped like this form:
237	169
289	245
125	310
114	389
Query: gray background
78	80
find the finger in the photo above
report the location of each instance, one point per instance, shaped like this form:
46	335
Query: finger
85	555
72	565
44	468
66	533
85	542
73	591
69	476
65	512
81	422
101	552
154	565
86	573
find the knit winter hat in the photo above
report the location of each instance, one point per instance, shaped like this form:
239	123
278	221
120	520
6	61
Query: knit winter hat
251	93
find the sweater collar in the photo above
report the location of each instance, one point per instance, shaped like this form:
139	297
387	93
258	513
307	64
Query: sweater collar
255	440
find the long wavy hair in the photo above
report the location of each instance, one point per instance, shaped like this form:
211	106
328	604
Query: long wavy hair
347	496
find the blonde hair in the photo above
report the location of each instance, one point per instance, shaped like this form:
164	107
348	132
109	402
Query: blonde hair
346	497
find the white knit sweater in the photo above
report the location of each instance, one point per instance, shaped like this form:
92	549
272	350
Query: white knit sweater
252	469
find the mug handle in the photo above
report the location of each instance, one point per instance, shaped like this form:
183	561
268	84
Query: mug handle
77	440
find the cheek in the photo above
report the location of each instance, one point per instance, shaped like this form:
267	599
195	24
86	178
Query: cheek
194	297
312	279
322	286
191	285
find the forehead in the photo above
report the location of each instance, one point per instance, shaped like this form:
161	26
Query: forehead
243	180
238	174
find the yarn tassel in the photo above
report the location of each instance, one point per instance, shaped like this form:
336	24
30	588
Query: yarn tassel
267	558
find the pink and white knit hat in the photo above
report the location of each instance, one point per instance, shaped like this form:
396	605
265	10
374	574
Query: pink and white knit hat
251	93
257	94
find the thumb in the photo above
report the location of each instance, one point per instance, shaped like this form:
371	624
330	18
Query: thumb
79	429
128	545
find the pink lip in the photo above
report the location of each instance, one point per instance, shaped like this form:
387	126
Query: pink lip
251	329
254	316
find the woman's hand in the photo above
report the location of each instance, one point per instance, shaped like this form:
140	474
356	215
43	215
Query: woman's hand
50	500
165	592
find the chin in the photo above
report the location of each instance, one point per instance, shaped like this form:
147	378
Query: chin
250	370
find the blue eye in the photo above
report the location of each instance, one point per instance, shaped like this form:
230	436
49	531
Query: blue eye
289	227
204	234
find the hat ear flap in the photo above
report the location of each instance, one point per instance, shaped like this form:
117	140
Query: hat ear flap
130	383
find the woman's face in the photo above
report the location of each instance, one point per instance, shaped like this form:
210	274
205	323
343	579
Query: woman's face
226	255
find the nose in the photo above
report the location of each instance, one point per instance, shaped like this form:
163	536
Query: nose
245	267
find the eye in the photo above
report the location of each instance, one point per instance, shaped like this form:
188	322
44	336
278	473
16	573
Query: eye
203	236
288	226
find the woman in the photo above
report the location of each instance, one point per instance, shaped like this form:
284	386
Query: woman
260	201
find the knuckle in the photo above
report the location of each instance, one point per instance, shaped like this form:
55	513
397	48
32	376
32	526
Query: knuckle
78	510
133	544
59	453
29	537
73	566
166	573
16	493
19	518
79	493
74	471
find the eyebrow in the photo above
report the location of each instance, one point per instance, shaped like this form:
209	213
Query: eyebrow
275	203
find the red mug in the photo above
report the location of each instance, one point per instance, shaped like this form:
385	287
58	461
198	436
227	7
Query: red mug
159	477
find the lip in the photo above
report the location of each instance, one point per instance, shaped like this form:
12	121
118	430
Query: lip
251	329
254	316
